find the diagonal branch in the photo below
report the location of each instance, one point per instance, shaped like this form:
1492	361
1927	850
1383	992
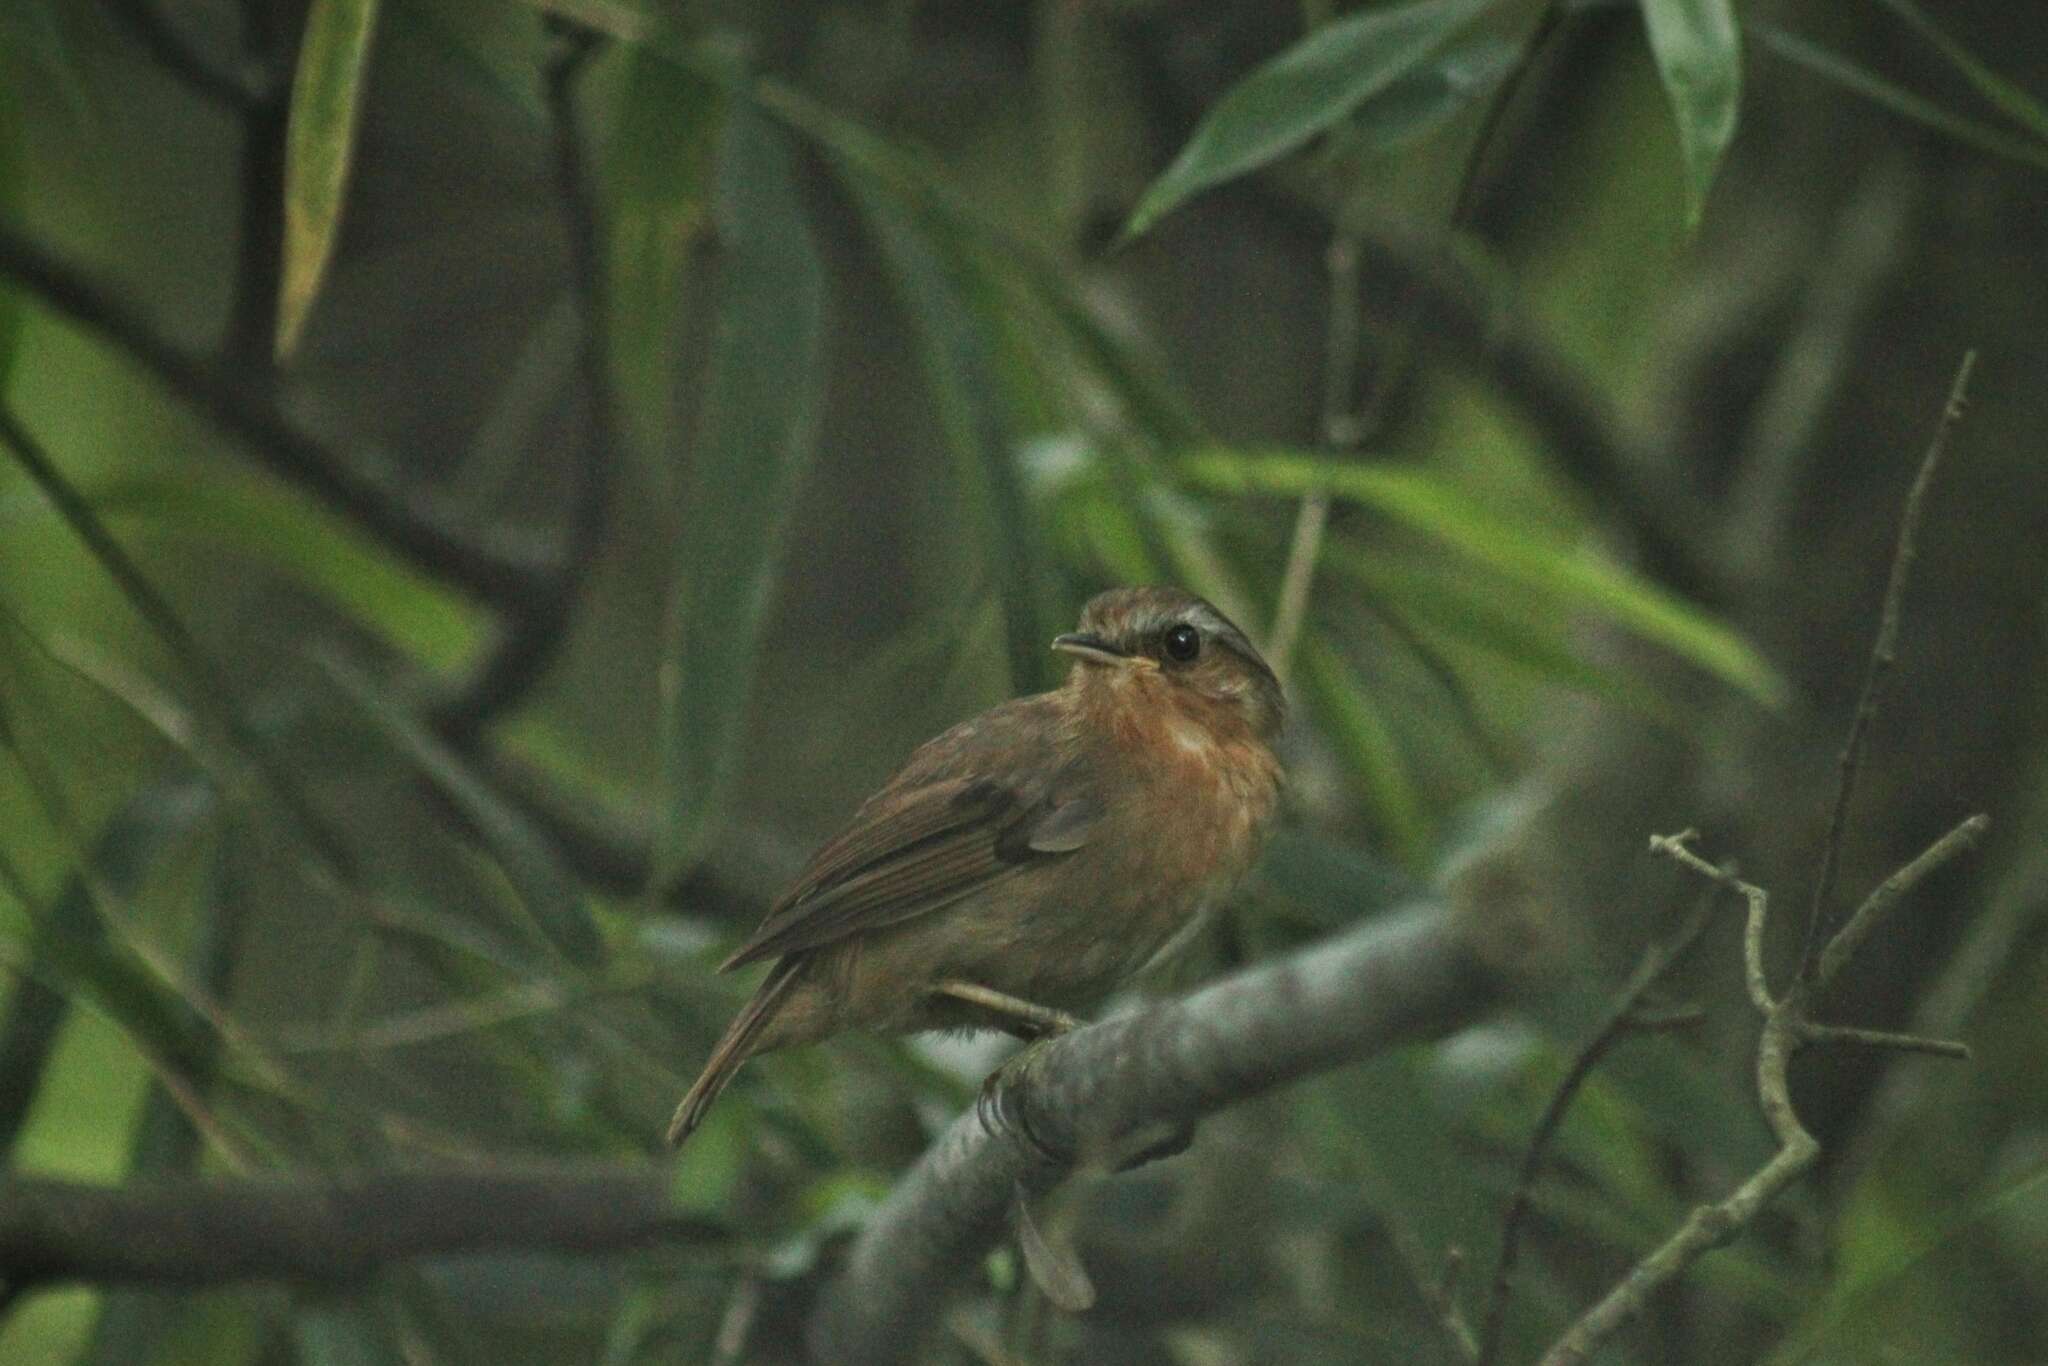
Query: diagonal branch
328	1230
536	625
497	567
1402	977
1883	654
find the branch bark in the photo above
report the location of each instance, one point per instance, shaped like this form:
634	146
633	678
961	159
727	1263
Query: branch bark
331	1231
1406	976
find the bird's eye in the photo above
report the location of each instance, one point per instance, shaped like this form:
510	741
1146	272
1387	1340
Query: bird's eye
1183	643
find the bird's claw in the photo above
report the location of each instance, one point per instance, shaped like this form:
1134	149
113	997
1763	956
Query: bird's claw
1001	1109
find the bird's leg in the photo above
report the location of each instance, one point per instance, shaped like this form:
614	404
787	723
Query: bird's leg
997	1106
1015	1016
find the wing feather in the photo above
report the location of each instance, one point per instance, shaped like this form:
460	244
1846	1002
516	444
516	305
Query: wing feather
969	810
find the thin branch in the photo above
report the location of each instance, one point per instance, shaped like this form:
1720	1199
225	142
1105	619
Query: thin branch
533	632
1624	1017
328	1230
497	567
218	695
1883	654
1406	976
1835	956
171	50
1539	37
1883	1038
1786	1029
1340	431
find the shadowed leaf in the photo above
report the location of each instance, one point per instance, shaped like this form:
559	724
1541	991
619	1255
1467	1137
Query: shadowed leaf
963	384
755	438
1855	79
1699	55
327	94
1536	559
659	165
550	895
2002	94
1302	92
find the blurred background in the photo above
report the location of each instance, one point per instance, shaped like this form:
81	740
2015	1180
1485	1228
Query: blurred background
488	486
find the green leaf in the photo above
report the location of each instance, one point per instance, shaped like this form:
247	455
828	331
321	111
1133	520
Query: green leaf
1423	101
1522	554
2003	95
958	369
550	895
234	512
1862	1289
34	29
755	437
1365	739
1699	55
498	47
660	160
1479	615
327	95
127	846
1302	92
1845	73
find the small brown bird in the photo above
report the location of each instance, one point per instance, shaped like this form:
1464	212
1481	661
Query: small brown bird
1026	862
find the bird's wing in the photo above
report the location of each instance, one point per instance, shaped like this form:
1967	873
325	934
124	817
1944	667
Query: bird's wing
970	809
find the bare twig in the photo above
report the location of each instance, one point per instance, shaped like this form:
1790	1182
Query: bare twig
1442	1297
1835	956
1626	1015
1883	654
1786	1030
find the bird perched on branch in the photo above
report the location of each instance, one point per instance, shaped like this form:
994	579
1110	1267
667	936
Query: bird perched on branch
1027	862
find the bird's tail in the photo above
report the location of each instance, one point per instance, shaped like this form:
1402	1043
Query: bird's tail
733	1049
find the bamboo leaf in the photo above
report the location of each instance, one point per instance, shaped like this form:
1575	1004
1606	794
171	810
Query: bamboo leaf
546	889
1699	56
755	439
1853	78
327	94
958	369
1365	739
1425	99
1302	92
2003	95
1556	567
659	162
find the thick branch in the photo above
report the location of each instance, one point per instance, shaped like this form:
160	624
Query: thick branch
1406	976
332	1230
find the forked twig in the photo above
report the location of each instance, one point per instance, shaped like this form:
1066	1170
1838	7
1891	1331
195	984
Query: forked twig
1626	1016
1787	1023
1883	654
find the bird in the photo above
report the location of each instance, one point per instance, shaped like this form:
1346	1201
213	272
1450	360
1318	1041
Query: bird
1025	863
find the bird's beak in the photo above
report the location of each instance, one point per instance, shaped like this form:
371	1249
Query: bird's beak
1092	648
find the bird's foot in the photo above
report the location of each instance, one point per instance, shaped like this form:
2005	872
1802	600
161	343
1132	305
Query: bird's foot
1001	1106
1015	1016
